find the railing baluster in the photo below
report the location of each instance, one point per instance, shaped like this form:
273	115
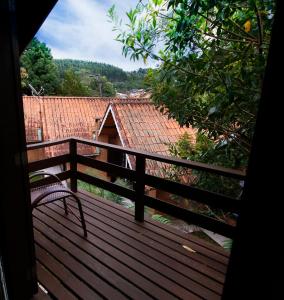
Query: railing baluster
140	188
73	164
141	179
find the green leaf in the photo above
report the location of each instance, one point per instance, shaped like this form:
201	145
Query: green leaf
154	22
138	36
210	71
161	219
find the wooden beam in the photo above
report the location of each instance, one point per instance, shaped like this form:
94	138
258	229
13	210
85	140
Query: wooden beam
16	229
157	157
47	144
170	160
191	217
202	196
141	179
114	188
108	167
140	188
256	256
73	164
48	162
30	16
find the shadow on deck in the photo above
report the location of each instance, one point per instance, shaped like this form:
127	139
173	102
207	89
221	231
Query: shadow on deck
121	258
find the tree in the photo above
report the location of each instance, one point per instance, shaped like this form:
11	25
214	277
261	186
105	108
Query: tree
40	69
72	86
121	80
211	64
102	87
203	149
24	77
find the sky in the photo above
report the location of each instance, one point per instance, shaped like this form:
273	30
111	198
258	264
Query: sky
79	29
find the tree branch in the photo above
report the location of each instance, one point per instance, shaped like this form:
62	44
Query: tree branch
260	27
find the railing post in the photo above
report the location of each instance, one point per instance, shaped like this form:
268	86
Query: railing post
73	164
140	188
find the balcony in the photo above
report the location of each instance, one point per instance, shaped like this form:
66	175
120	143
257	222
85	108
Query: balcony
126	254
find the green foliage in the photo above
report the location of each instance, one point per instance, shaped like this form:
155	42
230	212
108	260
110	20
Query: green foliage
120	80
134	80
228	244
87	68
74	77
184	147
104	193
211	65
72	85
203	150
38	69
35	178
161	219
24	77
102	87
206	151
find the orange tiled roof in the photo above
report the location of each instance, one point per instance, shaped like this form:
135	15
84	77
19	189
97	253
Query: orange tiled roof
71	116
62	117
143	127
140	124
32	119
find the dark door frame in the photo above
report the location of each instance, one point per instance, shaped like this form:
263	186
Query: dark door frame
16	236
256	256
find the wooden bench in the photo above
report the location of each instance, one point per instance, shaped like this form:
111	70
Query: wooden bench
53	192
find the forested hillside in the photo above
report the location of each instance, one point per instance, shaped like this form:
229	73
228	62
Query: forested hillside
68	77
88	71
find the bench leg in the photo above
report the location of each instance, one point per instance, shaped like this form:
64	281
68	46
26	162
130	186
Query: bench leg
65	206
81	216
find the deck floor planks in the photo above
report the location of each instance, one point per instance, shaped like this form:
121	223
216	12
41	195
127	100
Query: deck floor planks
136	272
110	230
55	287
205	255
169	272
40	295
165	228
71	281
168	232
134	266
109	279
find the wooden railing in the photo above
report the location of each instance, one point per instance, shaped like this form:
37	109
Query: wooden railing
141	179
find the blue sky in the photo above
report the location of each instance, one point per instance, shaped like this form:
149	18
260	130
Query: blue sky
79	29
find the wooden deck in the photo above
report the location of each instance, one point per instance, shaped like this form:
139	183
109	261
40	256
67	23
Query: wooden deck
121	258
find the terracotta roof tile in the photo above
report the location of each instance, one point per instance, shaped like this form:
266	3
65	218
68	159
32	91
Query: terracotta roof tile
143	127
61	117
32	119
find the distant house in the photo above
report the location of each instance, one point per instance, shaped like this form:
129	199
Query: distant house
50	118
133	123
140	126
137	94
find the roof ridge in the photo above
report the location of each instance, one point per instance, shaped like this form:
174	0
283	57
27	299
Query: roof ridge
135	101
120	100
71	97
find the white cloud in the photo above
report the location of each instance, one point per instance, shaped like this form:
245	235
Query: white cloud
80	30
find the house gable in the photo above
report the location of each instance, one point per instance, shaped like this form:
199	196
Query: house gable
141	126
110	132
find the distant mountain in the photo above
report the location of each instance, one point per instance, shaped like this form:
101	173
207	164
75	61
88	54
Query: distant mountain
123	81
